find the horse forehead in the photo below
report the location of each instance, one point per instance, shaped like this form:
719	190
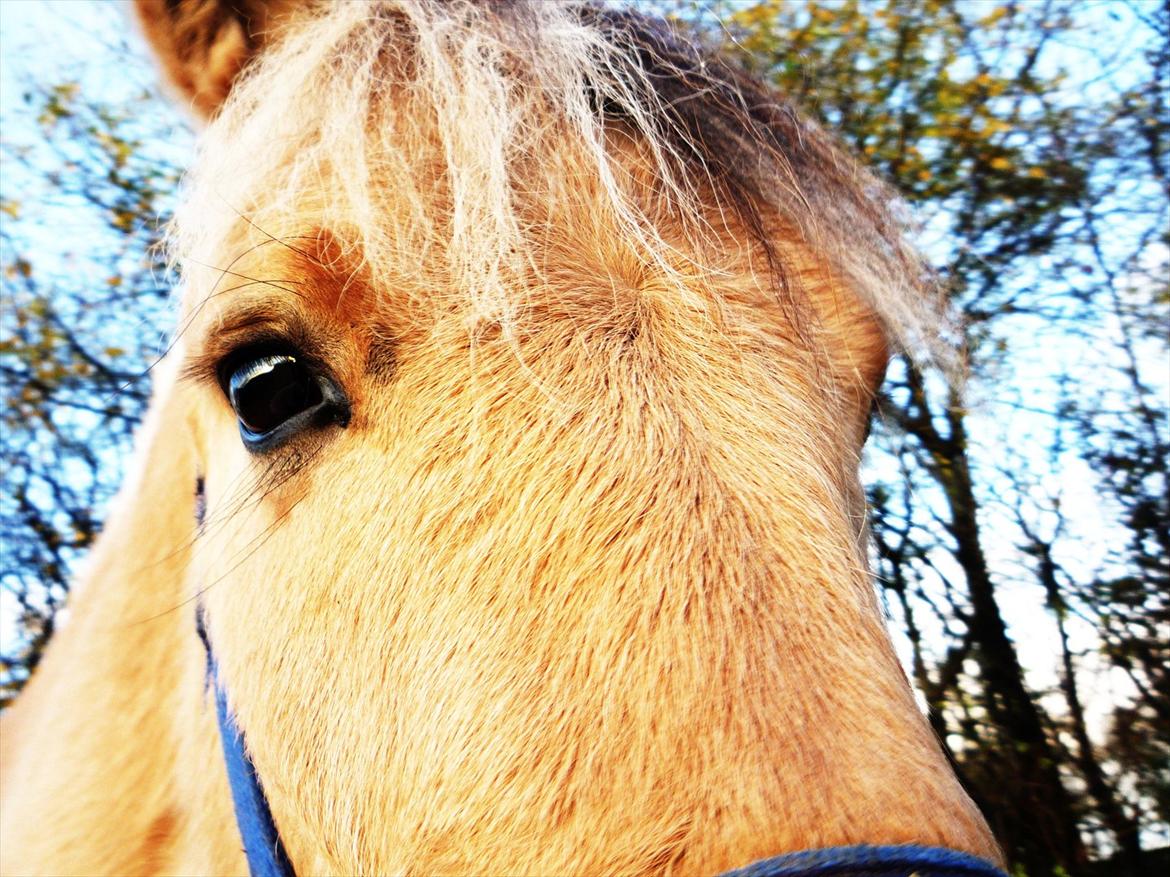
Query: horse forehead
308	274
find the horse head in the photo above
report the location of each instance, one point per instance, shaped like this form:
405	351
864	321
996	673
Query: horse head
507	454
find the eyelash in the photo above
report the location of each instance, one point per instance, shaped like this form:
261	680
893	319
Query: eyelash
278	393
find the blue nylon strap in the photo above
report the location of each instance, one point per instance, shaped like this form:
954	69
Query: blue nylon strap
871	861
262	844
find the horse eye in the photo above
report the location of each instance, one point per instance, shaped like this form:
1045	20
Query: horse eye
277	395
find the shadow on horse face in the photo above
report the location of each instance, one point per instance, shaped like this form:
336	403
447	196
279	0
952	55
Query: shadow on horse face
527	425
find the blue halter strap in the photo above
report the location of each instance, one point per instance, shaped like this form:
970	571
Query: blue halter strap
262	844
267	857
871	861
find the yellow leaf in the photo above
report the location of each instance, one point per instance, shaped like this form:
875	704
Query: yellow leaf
993	16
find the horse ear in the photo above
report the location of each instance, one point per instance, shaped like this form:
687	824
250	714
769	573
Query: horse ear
202	45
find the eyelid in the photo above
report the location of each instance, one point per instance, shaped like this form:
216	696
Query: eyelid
207	365
237	332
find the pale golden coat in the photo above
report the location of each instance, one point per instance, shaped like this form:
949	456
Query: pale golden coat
582	588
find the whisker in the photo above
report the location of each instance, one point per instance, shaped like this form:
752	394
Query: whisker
263	537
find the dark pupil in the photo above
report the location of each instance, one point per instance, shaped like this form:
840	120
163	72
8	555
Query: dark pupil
268	391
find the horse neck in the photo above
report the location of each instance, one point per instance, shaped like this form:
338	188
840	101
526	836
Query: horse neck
110	755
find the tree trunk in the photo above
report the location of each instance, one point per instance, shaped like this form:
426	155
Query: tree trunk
1041	823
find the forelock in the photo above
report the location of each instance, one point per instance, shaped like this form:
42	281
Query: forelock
445	109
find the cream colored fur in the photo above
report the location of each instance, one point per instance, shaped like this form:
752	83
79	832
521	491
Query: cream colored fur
582	588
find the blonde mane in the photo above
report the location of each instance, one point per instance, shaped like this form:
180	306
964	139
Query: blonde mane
353	95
